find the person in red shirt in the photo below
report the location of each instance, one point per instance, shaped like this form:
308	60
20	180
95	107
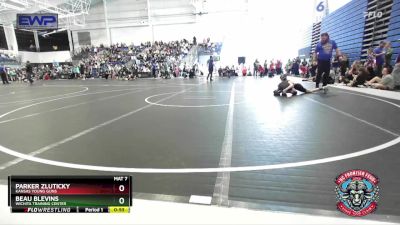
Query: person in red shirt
303	70
244	71
261	70
271	69
46	76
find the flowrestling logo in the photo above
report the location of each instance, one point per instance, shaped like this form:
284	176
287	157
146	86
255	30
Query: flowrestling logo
37	21
357	192
373	15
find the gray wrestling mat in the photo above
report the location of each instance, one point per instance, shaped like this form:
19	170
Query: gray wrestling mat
303	142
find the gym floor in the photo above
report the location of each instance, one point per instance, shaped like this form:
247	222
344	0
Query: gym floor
301	143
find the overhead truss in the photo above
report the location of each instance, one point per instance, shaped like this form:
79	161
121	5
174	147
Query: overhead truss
70	12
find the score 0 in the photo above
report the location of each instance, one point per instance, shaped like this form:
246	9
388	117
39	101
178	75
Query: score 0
121	185
122	189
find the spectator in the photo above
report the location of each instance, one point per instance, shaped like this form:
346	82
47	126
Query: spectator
261	70
370	62
353	72
396	74
304	68
32	47
3	74
388	54
295	68
255	67
244	71
210	64
266	67
362	77
289	67
335	65
379	53
82	70
13	75
29	72
278	67
385	83
154	69
271	68
313	69
344	65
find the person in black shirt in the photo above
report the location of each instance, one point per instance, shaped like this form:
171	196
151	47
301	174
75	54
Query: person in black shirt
194	40
29	72
344	66
210	63
82	69
313	69
362	77
192	72
3	74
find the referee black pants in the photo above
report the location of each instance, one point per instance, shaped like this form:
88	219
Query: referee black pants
324	69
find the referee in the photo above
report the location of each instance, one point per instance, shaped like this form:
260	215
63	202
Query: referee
323	55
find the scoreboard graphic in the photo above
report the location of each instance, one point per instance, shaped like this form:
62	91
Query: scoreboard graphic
70	194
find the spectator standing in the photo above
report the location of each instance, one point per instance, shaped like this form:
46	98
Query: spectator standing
3	74
194	40
278	67
29	72
13	75
255	67
295	68
154	69
289	67
210	63
272	68
304	69
82	70
266	67
344	66
335	65
370	62
379	53
261	70
313	68
388	54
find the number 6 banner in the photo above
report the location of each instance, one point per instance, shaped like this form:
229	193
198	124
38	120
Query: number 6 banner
320	10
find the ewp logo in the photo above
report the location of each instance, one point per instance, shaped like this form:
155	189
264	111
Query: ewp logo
37	21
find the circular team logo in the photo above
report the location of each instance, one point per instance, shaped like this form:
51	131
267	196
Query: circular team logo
357	192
